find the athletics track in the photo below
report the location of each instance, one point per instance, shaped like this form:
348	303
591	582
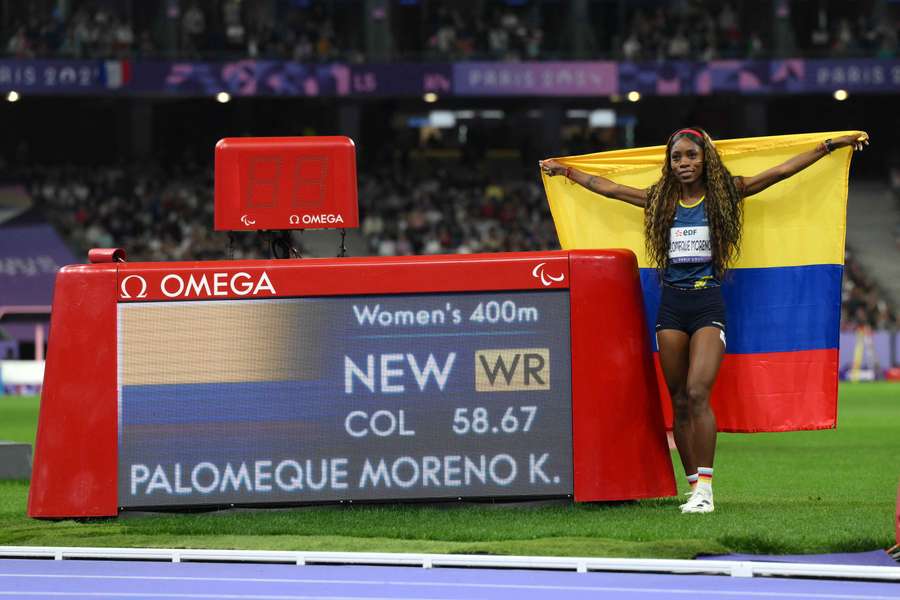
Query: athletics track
143	579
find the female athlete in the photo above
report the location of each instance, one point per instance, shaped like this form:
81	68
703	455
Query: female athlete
693	218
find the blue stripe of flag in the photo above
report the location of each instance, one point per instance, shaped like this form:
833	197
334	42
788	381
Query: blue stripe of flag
777	309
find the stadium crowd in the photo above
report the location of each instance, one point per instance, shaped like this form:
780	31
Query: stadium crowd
155	214
862	301
501	34
453	211
682	30
231	28
167	215
159	214
304	30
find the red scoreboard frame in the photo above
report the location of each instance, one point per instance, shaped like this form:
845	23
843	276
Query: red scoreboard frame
619	441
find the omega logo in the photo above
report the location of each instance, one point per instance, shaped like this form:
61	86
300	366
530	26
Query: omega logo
202	285
322	218
319	219
124	287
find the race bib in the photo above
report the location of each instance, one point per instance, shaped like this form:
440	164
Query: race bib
690	245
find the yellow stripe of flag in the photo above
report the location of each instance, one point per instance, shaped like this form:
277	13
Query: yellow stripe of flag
798	221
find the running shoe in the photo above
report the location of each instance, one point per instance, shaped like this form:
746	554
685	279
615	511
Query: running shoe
701	502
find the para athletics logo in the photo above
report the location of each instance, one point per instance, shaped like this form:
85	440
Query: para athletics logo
546	279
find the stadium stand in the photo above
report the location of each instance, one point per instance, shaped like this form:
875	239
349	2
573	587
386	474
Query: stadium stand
161	215
320	31
867	301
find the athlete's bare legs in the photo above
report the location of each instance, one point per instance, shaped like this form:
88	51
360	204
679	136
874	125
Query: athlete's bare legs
674	356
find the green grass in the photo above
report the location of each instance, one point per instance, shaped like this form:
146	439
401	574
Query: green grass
803	492
18	418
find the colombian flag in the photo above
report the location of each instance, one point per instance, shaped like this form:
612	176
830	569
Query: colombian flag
783	294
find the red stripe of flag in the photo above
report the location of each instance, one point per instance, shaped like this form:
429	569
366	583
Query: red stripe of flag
775	391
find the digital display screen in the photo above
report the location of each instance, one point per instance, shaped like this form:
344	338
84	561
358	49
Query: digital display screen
265	176
355	397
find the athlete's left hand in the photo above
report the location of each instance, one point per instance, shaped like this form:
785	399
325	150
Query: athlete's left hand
858	142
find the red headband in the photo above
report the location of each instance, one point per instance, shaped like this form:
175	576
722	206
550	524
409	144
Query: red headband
691	131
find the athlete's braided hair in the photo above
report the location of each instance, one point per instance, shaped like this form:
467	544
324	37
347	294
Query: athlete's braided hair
724	206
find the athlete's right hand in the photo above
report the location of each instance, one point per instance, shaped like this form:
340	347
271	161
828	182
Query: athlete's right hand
551	167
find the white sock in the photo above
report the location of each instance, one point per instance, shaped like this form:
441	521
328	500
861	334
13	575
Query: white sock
692	480
704	480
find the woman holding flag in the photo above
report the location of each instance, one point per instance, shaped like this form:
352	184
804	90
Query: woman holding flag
693	218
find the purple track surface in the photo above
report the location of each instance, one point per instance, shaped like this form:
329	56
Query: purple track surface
873	558
22	578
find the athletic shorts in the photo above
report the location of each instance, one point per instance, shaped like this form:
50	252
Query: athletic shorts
690	310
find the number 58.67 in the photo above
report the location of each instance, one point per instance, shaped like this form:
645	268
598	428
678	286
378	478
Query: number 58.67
514	419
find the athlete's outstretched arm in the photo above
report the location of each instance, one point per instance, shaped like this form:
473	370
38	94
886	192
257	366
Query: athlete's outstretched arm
596	184
792	166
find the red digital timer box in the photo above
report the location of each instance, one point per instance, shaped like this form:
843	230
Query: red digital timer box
285	183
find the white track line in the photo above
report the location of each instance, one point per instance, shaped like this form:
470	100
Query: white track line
579	564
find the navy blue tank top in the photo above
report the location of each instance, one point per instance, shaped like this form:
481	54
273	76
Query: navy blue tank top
690	250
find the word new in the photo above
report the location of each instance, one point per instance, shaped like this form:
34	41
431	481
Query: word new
387	374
